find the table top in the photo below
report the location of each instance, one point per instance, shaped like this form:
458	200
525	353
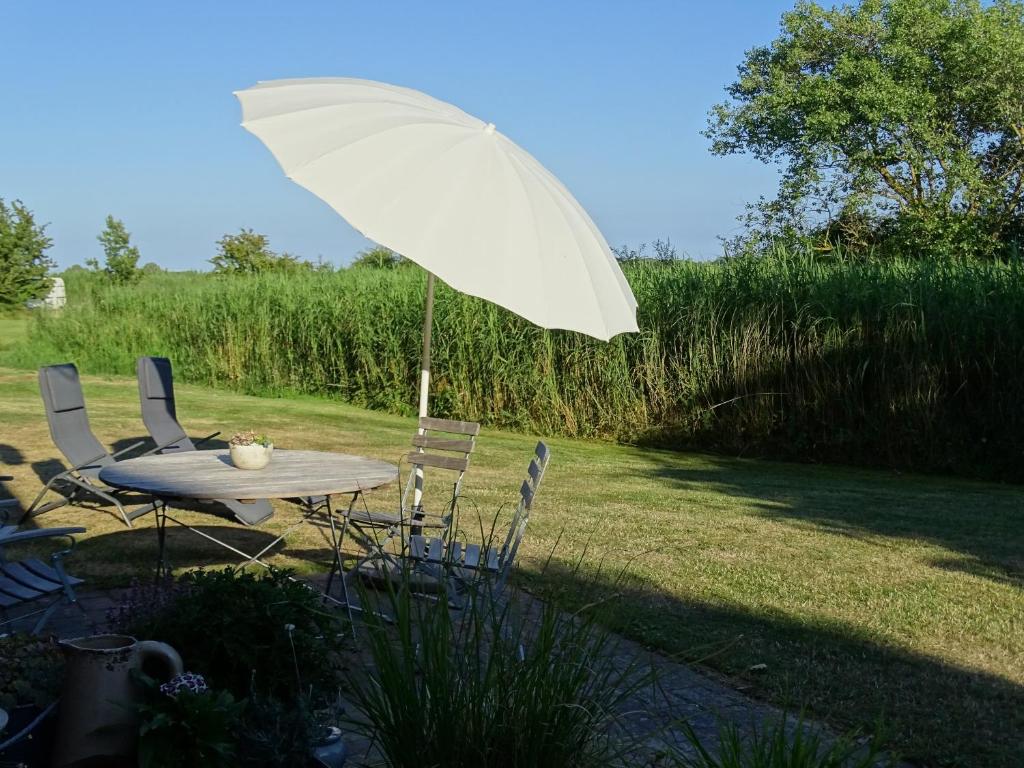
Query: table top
211	475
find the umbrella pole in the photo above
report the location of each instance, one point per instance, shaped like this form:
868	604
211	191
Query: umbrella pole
428	325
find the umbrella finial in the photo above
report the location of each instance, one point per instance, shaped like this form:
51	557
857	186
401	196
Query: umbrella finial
489	128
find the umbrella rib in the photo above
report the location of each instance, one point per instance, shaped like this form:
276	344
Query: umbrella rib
334	150
354	102
516	162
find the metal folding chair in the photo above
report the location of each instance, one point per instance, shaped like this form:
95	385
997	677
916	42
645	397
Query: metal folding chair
61	390
440	444
30	579
466	562
160	415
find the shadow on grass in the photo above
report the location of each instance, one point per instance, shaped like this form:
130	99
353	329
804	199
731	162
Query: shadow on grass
9	457
934	713
184	548
985	526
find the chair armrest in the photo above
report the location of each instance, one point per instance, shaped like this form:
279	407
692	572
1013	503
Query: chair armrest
85	464
169	444
38	533
202	440
131	447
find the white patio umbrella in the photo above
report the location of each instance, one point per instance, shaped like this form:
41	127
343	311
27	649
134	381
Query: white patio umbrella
449	192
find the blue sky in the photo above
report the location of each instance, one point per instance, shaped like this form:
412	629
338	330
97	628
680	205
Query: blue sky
127	108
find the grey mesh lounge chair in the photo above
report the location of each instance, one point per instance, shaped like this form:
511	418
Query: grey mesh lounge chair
160	415
28	580
61	390
440	444
465	562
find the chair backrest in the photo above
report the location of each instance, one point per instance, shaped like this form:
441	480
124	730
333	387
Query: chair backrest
441	444
61	390
156	396
527	493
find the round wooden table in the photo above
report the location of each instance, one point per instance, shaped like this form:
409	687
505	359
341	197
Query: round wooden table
210	475
312	476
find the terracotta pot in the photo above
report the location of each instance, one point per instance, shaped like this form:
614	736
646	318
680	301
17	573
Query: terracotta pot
97	722
251	456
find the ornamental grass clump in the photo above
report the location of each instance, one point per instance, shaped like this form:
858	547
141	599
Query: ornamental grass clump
502	682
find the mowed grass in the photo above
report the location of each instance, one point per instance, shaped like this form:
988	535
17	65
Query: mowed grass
865	594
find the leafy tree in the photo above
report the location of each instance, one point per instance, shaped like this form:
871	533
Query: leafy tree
248	253
23	261
378	257
897	123
122	258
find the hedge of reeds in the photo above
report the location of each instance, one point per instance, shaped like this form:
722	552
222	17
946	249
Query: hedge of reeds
907	364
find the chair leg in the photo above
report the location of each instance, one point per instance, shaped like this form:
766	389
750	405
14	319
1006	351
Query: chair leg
111	499
33	511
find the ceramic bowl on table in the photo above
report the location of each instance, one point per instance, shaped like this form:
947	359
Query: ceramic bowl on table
255	456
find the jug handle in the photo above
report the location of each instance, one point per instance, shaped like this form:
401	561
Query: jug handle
162	654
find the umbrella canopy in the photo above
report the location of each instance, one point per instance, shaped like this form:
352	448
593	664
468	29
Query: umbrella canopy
448	191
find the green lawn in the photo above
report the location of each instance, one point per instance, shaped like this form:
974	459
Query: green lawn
864	593
13	328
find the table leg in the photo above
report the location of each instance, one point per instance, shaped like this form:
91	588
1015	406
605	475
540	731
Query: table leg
160	509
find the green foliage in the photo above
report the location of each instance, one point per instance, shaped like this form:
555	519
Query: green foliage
902	363
493	685
782	745
188	729
379	257
897	122
277	733
248	253
31	671
244	633
23	261
121	258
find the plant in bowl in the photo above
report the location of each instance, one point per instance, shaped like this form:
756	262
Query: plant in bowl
250	450
185	723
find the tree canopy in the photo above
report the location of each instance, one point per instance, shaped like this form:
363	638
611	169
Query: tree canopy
24	265
896	123
249	253
121	258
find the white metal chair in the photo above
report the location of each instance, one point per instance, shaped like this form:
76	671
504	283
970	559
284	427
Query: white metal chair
465	562
440	444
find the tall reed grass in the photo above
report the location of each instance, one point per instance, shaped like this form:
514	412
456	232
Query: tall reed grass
908	364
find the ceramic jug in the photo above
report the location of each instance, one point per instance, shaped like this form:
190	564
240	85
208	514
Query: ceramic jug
97	722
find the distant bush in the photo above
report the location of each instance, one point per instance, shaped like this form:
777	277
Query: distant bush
248	253
379	257
23	262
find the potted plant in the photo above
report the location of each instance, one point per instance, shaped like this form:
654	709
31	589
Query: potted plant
30	680
250	450
186	723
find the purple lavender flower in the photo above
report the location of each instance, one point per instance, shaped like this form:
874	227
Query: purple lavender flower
186	681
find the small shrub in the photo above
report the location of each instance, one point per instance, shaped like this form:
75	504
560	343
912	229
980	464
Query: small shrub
31	671
265	634
184	724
